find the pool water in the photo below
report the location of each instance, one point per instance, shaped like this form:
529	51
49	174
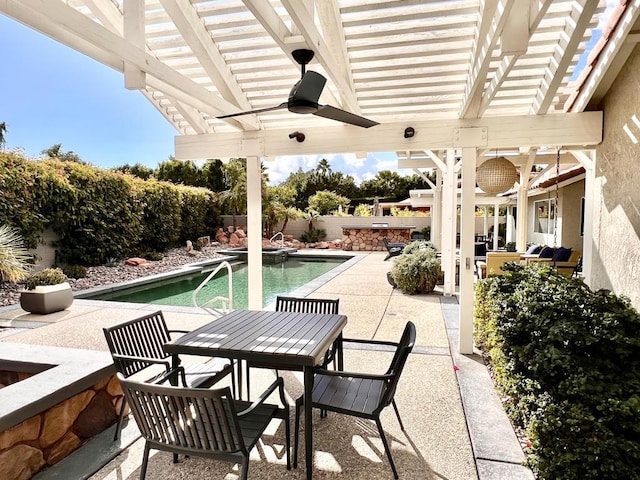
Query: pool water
279	279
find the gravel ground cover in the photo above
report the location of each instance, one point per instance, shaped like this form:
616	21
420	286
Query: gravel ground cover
119	272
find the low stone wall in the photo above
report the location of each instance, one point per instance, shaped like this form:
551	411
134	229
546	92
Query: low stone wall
47	438
370	239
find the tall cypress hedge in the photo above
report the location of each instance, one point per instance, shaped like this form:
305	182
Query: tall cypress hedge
99	214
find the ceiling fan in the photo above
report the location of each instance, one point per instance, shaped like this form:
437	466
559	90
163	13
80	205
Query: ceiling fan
304	96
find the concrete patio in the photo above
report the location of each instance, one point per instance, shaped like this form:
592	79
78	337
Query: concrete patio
455	426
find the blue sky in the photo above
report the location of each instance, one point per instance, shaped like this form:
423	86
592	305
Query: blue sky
49	94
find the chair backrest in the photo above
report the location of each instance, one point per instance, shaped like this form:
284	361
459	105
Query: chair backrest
495	261
141	337
188	419
307	305
405	345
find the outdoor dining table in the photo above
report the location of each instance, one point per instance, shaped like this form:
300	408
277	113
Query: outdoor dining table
280	340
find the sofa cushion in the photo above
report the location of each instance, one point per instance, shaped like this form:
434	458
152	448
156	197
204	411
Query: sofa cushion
546	252
561	254
534	249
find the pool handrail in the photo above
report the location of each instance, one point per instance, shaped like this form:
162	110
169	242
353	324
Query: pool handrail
227	302
281	236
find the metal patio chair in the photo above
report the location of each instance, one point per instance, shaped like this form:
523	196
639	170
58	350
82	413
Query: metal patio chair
203	422
393	249
139	344
360	395
304	305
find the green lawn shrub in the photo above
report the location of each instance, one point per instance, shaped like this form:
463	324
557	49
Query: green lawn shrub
417	269
568	360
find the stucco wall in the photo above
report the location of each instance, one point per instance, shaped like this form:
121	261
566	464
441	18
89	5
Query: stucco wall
571	214
616	220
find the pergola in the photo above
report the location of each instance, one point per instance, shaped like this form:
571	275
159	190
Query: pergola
471	77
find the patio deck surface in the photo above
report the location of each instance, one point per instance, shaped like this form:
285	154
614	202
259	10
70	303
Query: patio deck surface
455	426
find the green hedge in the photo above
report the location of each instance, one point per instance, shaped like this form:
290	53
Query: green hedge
98	214
568	360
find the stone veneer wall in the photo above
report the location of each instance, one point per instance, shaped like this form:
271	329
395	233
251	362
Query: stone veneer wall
47	438
370	240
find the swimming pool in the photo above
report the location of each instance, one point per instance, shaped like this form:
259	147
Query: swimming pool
279	279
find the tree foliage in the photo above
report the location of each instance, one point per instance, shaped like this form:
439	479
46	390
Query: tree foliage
326	202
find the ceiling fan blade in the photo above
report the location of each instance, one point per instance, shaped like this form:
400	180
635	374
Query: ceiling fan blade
308	89
327	111
260	110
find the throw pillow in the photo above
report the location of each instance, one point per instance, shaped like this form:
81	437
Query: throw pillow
546	252
561	254
534	249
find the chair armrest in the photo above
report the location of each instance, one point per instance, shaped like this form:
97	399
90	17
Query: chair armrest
339	373
131	358
279	383
166	376
178	331
373	342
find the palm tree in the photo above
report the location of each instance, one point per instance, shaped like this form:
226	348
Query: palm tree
3	138
289	213
14	258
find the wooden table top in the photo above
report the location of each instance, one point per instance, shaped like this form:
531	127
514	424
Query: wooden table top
274	338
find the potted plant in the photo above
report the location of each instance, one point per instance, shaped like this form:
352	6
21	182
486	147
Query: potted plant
46	291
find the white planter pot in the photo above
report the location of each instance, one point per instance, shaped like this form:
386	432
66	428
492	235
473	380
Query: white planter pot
47	299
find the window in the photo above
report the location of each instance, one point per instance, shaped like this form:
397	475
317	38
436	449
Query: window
545	214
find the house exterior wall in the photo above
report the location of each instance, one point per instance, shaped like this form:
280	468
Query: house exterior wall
569	217
616	219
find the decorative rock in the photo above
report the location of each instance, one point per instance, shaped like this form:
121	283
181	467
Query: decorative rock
114	388
134	261
98	415
323	245
60	418
221	237
204	241
231	229
240	233
189	246
234	240
62	448
23	432
31	461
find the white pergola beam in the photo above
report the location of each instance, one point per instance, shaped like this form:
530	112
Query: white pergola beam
304	21
104	43
557	69
134	77
577	129
199	40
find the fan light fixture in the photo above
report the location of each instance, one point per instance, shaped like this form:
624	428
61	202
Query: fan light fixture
305	94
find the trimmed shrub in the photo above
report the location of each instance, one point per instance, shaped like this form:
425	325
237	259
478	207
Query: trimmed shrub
48	276
417	270
568	359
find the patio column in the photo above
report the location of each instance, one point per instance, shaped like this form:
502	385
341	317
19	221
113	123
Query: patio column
254	232
449	224
592	186
485	221
467	239
523	215
436	212
496	224
510	229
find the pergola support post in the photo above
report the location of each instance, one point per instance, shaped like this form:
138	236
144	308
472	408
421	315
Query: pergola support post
467	239
449	224
254	232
